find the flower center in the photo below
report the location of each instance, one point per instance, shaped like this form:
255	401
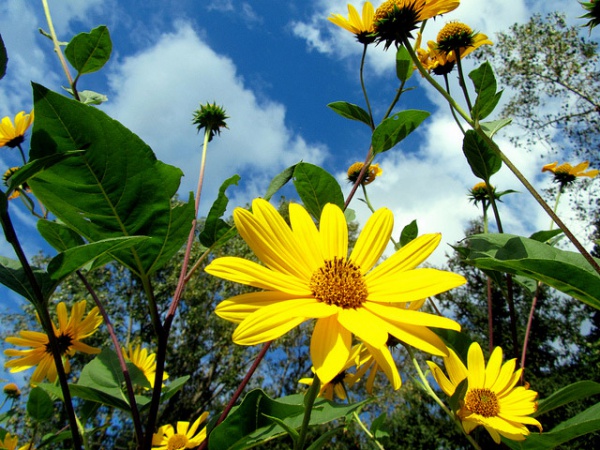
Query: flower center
483	402
64	343
177	442
340	283
454	35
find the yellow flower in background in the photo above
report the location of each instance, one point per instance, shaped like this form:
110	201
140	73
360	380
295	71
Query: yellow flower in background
11	135
492	398
361	27
395	20
566	174
456	35
6	177
372	172
307	274
144	361
169	438
70	332
11	390
10	443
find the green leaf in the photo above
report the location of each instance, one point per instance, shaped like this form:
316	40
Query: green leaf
485	85
13	277
117	188
351	111
409	232
566	271
58	235
394	129
279	181
587	421
88	52
88	97
378	426
248	425
72	259
3	58
316	187
404	64
571	393
40	406
545	235
491	128
483	160
324	439
214	226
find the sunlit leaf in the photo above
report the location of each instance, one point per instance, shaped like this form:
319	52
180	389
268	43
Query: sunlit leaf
88	52
316	187
214	226
394	129
351	111
484	161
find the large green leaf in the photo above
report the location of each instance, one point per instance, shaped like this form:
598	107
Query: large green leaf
248	425
58	235
485	85
117	188
571	393
566	271
394	129
40	406
583	423
484	161
351	111
316	187
72	259
88	52
214	226
13	277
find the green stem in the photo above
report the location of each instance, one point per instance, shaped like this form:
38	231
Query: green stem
395	100
447	83
434	396
309	401
461	79
362	85
22	154
366	431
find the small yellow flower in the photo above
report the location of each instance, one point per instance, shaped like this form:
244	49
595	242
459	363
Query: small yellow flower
70	332
6	177
566	174
13	135
372	172
144	361
492	398
11	390
361	27
308	274
169	438
395	20
10	443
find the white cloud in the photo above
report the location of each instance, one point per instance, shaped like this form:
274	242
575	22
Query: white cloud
156	91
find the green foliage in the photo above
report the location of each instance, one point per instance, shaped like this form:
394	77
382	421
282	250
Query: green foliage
394	129
404	64
409	233
351	111
40	406
484	162
215	228
485	86
316	187
88	52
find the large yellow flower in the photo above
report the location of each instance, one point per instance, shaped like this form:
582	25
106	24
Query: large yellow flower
167	438
144	361
492	398
361	27
12	135
309	275
70	332
395	20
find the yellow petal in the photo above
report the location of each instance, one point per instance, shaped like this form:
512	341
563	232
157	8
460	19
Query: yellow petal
329	348
250	273
237	308
399	315
334	232
494	365
373	240
442	380
366	326
455	367
306	232
476	365
385	361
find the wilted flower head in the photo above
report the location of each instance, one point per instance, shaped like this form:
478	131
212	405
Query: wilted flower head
372	172
395	20
13	135
212	117
361	27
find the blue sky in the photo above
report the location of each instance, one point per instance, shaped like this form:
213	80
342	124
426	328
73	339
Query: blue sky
274	66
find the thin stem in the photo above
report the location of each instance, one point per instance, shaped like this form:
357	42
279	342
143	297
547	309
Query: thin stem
40	305
239	390
22	154
447	83
309	401
489	282
434	396
528	328
360	177
57	48
461	79
366	431
362	85
135	415
399	92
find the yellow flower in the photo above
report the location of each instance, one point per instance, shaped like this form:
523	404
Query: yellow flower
70	332
309	275
144	361
6	177
396	19
492	398
186	437
11	390
362	28
372	172
12	135
566	174
10	443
